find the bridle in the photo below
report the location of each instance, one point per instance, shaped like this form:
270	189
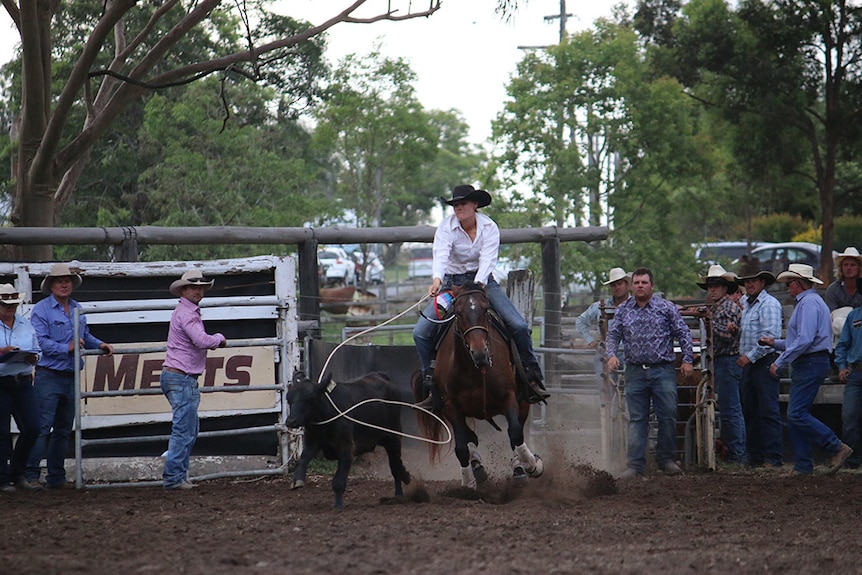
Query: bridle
461	333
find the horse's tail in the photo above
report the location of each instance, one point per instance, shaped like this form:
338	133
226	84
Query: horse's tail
428	426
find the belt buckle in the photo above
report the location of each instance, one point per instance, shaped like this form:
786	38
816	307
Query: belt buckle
645	366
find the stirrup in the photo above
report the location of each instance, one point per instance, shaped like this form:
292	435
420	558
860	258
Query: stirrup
536	393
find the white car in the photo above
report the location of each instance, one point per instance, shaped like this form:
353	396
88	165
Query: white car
374	272
335	267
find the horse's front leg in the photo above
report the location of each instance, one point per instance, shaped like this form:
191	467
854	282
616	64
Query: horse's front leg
463	435
524	462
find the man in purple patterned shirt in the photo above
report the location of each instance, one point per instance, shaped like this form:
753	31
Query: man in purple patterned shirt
726	321
647	325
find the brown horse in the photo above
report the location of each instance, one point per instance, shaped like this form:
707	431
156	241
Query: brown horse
477	380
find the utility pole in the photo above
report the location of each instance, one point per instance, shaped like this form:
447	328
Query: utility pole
563	16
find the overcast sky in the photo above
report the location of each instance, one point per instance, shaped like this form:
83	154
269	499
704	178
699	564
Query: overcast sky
463	55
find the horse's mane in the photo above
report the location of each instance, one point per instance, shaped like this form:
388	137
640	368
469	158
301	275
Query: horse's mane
472	286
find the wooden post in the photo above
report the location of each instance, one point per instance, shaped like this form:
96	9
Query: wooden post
309	285
552	287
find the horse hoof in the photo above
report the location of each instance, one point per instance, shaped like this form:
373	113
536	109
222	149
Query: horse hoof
479	471
519	475
297	484
537	469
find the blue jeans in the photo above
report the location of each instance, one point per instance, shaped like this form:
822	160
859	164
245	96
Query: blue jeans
806	375
727	379
56	396
18	400
851	416
656	383
425	333
184	396
762	411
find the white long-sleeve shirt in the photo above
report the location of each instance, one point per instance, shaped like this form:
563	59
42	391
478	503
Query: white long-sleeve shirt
456	253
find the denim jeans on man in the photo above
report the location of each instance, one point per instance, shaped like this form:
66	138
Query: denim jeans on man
727	379
56	396
806	376
184	396
762	411
851	416
17	399
656	383
426	332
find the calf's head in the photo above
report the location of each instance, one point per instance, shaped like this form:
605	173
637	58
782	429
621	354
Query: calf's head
303	397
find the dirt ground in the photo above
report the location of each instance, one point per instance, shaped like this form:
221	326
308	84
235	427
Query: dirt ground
571	520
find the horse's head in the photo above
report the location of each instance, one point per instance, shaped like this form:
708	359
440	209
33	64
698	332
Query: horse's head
472	322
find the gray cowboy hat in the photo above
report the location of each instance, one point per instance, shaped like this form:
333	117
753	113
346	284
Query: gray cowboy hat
467	193
752	271
190	278
59	270
8	290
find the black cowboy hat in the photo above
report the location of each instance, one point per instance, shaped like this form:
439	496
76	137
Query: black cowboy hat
467	193
752	271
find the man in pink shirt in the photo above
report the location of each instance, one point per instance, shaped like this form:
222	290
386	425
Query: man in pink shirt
185	361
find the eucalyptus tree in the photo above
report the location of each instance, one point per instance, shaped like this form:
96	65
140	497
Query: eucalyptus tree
596	137
788	75
126	49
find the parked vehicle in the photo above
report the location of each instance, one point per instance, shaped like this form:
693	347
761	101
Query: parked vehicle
421	263
374	271
722	252
776	257
335	267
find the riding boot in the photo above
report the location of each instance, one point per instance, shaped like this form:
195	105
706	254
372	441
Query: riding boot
536	392
432	394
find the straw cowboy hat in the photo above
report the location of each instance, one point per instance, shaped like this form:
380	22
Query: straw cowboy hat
849	252
468	193
9	295
617	274
752	271
60	270
798	272
190	278
839	318
717	275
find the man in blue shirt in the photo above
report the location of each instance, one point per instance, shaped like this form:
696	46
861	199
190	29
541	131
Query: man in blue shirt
647	325
807	351
848	360
52	319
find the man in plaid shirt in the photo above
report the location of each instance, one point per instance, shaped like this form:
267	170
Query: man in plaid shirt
726	319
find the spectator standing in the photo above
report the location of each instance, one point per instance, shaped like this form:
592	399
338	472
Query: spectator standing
19	352
807	351
52	320
185	361
647	326
620	283
726	321
848	360
846	290
761	318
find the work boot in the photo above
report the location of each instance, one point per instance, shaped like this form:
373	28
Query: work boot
432	393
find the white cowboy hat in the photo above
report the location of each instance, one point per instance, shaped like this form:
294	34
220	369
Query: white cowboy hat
57	271
190	278
839	317
617	274
798	271
717	274
9	295
849	252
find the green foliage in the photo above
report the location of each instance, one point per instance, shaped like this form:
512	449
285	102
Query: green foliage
778	228
848	232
